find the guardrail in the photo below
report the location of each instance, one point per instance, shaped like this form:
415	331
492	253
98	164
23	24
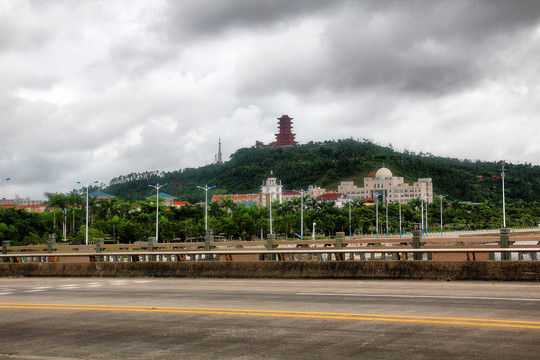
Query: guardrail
340	248
279	254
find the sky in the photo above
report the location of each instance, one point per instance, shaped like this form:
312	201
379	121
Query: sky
91	90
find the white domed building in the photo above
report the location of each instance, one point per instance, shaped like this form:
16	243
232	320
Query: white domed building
383	173
388	188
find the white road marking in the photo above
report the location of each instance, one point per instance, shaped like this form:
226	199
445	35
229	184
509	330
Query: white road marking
69	287
446	284
421	296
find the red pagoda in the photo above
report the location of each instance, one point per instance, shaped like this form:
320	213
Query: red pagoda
285	136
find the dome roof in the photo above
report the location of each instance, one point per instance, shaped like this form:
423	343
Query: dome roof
383	173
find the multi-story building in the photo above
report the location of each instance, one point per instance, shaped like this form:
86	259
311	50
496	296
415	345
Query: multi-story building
271	190
315	191
290	195
18	201
245	199
388	188
27	204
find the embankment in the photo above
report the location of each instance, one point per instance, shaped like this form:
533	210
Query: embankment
409	270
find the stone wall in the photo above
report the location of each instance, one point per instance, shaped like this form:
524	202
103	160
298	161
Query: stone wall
406	270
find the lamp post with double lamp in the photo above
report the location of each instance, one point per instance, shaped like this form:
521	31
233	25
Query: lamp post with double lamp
206	188
86	220
441	197
157	187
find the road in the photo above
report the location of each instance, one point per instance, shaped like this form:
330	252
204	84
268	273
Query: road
143	318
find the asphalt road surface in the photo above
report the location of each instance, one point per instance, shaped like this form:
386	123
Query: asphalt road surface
148	318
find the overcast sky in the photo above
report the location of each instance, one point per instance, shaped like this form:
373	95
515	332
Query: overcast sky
90	90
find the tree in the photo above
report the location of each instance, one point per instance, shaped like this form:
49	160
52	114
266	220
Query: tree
75	201
56	201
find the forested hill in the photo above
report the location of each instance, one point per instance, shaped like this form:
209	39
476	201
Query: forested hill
326	164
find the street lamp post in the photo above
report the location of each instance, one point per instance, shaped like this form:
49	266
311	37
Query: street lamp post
301	192
441	197
350	222
271	222
503	196
427	226
157	187
377	214
86	223
386	205
422	212
399	195
313	232
206	188
302	215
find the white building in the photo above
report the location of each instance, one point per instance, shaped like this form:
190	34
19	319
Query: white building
389	188
271	190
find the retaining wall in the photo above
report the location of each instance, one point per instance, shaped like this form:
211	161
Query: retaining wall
419	270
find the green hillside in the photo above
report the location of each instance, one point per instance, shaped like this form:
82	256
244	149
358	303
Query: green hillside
326	164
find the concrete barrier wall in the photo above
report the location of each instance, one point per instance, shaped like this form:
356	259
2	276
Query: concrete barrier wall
417	270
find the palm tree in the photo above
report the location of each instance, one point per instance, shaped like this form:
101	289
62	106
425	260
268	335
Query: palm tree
229	204
55	201
214	209
74	200
93	204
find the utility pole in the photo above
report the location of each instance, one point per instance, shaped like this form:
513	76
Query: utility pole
157	187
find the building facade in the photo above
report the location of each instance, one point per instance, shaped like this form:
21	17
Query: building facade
388	188
18	201
245	199
271	190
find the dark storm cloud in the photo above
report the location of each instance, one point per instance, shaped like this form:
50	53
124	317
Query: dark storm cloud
195	18
425	47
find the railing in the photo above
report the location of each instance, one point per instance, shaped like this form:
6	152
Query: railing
340	248
280	254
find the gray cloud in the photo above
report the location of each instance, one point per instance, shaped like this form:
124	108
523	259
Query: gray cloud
96	89
213	18
424	47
